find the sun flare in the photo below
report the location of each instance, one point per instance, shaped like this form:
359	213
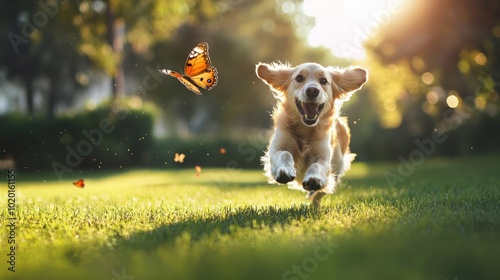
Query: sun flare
344	25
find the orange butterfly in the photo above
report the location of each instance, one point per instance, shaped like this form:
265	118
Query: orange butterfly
198	170
79	184
198	71
179	157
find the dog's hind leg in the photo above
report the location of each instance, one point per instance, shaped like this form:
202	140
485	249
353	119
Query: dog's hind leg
315	197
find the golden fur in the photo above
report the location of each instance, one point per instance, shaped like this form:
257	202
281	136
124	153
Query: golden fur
310	142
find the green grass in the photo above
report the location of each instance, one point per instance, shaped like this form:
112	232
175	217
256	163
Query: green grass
443	222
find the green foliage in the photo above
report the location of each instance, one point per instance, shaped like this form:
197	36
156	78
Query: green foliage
237	42
101	137
144	23
422	57
393	110
232	153
116	136
469	133
442	223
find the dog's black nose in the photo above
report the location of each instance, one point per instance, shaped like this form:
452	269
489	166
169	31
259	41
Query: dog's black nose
312	92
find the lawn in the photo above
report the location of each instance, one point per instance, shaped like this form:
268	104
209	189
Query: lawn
442	222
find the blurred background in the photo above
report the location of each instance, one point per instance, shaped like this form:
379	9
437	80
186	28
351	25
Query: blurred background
80	88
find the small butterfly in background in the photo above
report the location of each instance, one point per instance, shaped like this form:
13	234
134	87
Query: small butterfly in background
179	157
79	184
198	170
198	72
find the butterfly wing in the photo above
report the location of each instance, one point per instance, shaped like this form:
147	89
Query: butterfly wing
79	184
188	84
206	79
197	61
199	68
198	71
179	157
198	170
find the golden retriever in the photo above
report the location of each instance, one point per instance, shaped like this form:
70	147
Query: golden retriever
310	143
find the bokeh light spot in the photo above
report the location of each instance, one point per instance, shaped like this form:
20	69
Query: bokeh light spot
427	78
452	101
480	59
432	97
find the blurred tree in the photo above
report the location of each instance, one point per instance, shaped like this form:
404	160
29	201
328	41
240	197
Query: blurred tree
240	102
53	39
40	46
440	55
20	61
115	37
133	39
113	31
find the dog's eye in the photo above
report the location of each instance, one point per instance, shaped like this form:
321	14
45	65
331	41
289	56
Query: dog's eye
299	78
323	81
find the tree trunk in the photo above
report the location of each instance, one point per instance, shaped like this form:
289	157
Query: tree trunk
29	95
51	103
17	63
116	32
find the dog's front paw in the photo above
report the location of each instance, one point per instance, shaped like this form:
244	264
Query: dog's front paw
312	184
284	177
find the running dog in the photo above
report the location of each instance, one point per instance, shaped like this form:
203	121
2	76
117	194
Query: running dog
310	143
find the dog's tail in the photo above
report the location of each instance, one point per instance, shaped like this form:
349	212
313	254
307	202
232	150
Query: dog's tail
346	165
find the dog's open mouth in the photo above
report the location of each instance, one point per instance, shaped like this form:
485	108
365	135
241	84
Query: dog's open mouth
310	111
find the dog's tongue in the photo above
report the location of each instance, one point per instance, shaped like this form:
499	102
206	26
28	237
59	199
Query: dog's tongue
310	109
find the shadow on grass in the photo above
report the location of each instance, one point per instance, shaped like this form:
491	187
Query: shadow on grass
225	185
441	224
223	222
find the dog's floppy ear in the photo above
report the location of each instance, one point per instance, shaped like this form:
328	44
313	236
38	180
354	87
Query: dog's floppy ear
276	75
348	80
